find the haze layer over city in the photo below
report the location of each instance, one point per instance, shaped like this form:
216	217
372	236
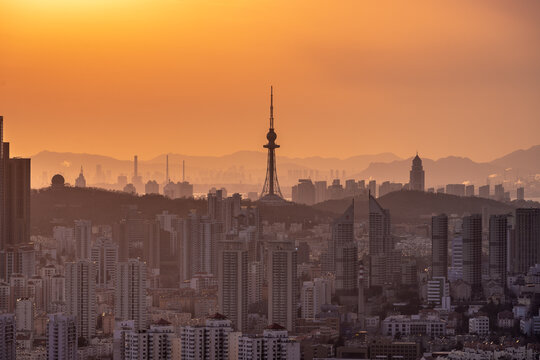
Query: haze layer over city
269	180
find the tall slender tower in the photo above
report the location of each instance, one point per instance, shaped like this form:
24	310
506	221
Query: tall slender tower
417	174
271	193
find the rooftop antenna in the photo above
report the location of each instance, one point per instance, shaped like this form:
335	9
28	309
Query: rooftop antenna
183	170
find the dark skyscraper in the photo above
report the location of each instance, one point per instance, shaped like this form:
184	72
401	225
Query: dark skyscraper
416	181
14	197
472	252
271	193
345	253
380	242
498	241
439	246
526	240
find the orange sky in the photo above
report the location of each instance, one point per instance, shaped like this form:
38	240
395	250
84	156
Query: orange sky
120	77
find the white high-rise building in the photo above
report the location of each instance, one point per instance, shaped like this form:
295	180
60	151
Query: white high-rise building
282	284
130	292
121	328
81	296
210	341
82	234
314	294
149	344
8	343
273	344
438	292
233	283
105	255
255	282
62	337
24	314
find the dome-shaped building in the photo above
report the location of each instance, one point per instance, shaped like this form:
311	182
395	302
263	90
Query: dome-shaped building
58	181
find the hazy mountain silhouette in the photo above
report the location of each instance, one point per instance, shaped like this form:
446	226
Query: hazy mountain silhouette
454	169
248	167
251	163
525	160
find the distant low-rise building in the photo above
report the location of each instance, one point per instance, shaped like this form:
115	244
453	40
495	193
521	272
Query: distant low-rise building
479	325
421	324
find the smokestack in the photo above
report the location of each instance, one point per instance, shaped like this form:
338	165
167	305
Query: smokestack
167	169
183	170
135	165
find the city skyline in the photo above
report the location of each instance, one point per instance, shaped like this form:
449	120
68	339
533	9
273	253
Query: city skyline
372	69
147	253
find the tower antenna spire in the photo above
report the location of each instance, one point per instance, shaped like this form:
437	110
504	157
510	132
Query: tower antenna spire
271	107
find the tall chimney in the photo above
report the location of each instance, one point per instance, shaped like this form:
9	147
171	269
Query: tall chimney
167	169
135	166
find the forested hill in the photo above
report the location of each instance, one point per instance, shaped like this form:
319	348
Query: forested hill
59	206
412	206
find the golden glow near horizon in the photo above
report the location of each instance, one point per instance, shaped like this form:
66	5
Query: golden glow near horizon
123	76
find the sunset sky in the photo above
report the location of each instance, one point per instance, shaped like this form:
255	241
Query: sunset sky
119	77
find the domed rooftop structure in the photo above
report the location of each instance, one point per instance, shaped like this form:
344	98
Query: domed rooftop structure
58	181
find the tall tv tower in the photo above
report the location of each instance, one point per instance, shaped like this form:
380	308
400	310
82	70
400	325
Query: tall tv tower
271	193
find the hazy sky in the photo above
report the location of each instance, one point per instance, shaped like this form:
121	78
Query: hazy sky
120	77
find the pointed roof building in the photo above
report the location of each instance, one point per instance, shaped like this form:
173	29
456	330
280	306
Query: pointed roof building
80	181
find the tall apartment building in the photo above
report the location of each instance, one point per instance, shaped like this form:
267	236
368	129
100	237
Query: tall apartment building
274	343
82	233
62	337
81	296
282	279
105	254
313	295
210	341
24	314
154	343
233	283
130	292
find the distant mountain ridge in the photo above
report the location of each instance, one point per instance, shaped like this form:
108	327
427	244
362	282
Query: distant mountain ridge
453	169
252	162
249	167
